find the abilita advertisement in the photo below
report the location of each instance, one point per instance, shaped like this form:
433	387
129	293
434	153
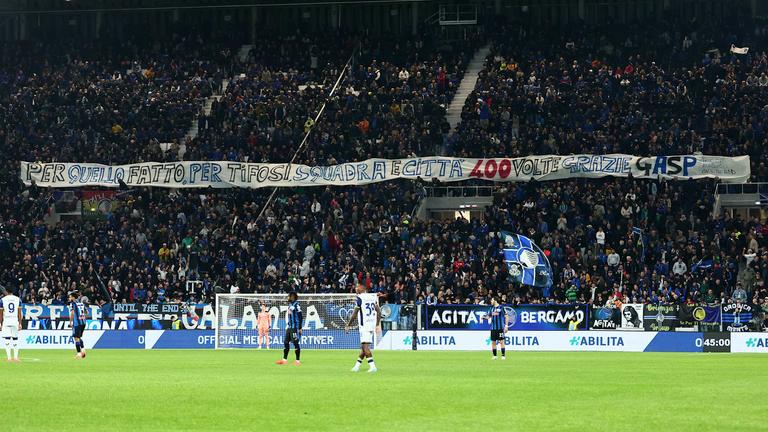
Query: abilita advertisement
124	339
619	341
749	342
428	340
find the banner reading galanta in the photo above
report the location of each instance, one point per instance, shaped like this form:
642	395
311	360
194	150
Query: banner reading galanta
223	174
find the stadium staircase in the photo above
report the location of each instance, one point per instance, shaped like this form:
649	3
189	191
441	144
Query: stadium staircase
244	52
207	105
446	200
476	65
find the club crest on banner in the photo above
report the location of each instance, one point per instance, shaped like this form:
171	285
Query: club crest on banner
526	262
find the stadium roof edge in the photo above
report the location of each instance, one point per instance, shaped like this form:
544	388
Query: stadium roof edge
186	6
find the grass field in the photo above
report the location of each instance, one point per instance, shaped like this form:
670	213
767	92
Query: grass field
413	391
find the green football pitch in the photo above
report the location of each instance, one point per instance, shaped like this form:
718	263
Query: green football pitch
413	391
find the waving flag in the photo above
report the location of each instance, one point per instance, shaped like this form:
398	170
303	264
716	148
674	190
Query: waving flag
739	50
526	262
702	264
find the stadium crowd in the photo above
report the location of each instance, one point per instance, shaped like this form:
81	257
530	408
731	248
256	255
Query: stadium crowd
585	91
103	103
653	90
391	103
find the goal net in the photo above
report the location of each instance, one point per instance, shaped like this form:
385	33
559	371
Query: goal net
325	316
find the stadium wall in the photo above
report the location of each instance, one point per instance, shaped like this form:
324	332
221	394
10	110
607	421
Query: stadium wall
430	340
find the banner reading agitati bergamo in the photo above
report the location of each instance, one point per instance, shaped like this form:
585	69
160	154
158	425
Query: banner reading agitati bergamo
223	174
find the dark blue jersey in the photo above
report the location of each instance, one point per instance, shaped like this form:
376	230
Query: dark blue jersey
77	312
498	318
295	318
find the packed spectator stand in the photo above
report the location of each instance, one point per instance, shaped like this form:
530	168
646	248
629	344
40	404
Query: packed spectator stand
390	105
659	91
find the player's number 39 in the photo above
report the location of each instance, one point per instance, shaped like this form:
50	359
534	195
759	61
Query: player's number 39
369	309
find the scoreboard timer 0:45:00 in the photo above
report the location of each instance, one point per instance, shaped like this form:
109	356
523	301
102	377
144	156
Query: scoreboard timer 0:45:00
716	342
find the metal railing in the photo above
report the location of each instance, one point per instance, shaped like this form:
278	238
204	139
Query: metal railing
460	14
743	188
459	191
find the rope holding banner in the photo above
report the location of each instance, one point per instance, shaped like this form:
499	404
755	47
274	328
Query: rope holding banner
309	127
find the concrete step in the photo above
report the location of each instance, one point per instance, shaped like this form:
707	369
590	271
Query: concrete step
208	104
242	54
476	65
193	131
182	150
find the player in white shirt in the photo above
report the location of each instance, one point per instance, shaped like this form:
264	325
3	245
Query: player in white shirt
368	317
10	321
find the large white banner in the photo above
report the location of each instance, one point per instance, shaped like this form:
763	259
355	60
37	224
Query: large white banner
223	174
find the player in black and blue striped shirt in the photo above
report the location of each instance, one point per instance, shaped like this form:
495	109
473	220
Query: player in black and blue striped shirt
499	324
294	321
77	319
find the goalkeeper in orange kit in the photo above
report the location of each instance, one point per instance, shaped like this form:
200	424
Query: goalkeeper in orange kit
264	323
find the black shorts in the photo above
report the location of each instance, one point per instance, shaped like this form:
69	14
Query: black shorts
78	331
497	335
291	335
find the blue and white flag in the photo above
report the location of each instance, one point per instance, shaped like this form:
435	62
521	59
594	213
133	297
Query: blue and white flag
526	262
702	264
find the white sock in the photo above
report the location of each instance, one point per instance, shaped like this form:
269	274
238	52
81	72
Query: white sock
8	348
371	364
15	345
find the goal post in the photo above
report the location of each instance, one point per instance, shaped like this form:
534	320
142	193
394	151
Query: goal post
325	316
